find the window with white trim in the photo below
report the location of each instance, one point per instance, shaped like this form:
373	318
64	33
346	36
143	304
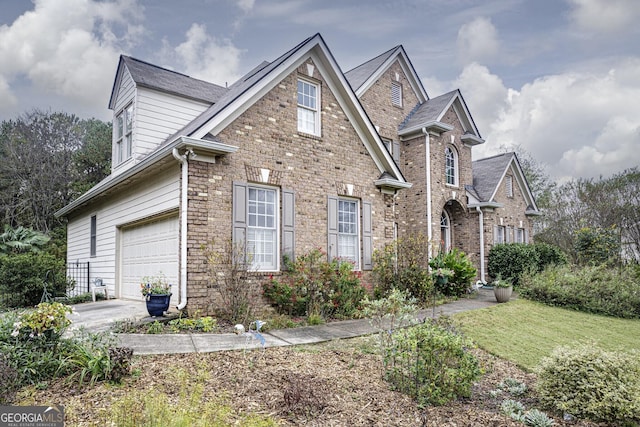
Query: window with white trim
93	236
123	134
445	232
499	234
308	108
262	228
396	94
451	166
348	231
520	235
509	185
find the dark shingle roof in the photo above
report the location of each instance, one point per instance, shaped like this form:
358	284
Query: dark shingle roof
487	174
154	77
428	111
357	76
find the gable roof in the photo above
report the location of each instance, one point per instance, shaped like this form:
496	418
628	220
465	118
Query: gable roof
489	172
152	76
431	112
364	75
243	93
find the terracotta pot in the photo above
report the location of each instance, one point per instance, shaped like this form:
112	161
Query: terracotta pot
503	294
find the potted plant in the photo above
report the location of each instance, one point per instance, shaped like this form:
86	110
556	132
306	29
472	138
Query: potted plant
157	293
502	289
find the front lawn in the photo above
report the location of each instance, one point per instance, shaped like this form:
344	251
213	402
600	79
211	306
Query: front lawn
524	331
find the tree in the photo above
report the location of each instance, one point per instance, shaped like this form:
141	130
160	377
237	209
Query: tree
17	240
46	160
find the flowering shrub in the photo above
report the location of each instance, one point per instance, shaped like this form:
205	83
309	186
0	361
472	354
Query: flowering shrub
155	285
47	318
313	286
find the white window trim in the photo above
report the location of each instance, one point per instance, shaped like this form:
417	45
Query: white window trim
123	143
446	238
509	185
278	229
358	234
93	236
317	127
454	153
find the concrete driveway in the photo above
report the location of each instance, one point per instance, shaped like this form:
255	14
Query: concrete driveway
101	315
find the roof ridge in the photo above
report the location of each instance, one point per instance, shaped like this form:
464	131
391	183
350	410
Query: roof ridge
170	70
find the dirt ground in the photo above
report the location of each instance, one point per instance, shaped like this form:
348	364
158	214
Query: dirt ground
330	384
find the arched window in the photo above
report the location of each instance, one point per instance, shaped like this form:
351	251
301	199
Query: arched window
445	232
451	166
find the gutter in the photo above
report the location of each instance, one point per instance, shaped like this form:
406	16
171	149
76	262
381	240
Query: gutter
481	222
427	143
184	183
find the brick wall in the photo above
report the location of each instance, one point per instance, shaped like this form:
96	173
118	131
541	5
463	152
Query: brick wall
314	167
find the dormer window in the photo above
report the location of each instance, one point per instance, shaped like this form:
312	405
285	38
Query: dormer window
396	94
124	127
451	166
308	108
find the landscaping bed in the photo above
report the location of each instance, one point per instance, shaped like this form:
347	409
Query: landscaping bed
331	384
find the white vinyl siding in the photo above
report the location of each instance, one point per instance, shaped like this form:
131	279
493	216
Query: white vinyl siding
308	108
159	194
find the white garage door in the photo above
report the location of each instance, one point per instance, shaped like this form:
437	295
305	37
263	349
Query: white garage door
147	250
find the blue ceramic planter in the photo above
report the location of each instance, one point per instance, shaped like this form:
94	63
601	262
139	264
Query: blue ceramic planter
158	304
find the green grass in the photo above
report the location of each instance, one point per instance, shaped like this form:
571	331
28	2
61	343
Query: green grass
524	331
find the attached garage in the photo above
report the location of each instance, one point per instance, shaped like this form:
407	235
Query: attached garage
149	249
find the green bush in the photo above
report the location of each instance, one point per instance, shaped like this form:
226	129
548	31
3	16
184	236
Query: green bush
511	260
23	276
403	265
463	272
588	382
597	245
600	290
313	286
431	363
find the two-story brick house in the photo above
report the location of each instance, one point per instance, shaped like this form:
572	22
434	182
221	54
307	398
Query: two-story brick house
293	156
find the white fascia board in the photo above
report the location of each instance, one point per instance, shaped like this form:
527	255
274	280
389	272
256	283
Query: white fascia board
111	181
471	139
392	183
432	125
485	205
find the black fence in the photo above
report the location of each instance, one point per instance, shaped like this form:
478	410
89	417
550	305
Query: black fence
78	276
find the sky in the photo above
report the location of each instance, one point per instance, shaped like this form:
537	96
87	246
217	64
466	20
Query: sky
560	79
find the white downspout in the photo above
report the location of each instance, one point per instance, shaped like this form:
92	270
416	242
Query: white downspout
481	221
184	161
427	143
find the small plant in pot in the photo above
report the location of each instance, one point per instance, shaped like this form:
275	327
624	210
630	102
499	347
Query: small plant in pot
157	293
502	289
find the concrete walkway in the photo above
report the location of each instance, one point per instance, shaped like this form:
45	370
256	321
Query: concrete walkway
100	316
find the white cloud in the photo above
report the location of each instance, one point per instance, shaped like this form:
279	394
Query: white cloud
245	5
484	93
604	16
69	47
7	98
477	41
580	124
205	57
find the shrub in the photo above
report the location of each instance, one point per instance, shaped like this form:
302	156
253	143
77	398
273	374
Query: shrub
23	277
597	245
588	382
463	272
312	286
403	264
431	363
511	260
600	290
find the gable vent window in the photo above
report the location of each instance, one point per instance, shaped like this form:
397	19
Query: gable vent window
396	94
509	185
451	166
93	236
